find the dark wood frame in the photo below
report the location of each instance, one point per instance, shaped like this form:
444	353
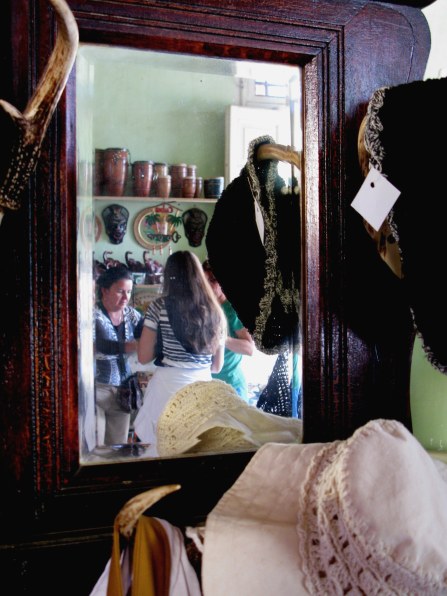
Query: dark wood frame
357	327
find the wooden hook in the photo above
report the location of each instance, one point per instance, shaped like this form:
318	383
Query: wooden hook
279	152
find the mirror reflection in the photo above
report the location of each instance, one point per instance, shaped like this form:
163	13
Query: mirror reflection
159	138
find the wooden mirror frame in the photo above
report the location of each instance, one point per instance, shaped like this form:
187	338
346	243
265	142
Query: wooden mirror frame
357	332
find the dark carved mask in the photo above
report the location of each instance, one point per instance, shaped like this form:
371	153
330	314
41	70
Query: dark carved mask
115	220
194	222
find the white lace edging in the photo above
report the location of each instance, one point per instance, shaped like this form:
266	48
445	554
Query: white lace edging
339	555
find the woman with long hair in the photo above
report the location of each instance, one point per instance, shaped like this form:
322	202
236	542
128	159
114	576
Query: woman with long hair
184	333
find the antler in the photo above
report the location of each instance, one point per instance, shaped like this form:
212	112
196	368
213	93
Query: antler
30	127
131	511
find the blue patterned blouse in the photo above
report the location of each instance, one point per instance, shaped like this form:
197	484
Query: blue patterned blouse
107	349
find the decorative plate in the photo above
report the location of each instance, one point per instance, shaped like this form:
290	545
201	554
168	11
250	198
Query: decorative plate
155	227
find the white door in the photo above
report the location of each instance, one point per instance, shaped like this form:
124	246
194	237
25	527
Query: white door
243	124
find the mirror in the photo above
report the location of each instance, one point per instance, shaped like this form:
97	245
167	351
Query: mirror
162	111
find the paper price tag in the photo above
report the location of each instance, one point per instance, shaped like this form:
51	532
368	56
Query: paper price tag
375	199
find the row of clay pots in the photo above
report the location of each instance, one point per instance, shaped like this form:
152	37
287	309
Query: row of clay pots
111	176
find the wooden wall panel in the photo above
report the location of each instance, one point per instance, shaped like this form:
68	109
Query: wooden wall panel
357	332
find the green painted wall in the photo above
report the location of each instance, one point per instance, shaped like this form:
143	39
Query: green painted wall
158	114
428	390
163	115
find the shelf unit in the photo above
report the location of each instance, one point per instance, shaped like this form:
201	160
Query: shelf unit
152	199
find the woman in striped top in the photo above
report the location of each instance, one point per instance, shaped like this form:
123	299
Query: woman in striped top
184	333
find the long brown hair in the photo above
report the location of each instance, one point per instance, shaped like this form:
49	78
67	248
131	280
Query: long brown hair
195	315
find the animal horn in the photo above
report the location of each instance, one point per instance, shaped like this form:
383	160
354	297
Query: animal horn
29	128
131	511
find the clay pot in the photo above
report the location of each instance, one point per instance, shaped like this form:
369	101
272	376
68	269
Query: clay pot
98	172
160	169
199	187
142	172
189	187
214	187
163	184
116	164
178	172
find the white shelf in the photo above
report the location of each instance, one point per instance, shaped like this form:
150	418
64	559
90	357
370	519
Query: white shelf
150	200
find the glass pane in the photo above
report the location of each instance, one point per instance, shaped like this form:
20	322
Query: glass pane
143	114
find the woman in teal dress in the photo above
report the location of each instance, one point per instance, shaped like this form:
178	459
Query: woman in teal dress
238	343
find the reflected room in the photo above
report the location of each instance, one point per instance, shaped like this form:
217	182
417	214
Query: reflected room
160	136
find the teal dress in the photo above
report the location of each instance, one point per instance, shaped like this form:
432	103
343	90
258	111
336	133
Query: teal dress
231	371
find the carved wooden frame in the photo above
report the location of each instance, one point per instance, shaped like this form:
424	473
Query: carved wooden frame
356	353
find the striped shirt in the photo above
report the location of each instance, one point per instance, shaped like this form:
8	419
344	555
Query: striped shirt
174	354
